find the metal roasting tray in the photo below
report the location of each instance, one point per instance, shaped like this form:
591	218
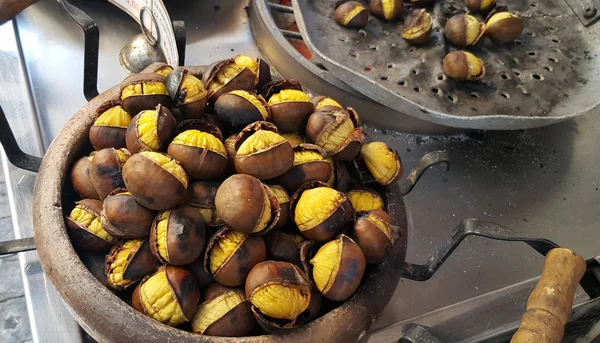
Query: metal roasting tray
547	76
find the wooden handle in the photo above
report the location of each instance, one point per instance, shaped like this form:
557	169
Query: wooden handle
551	301
10	8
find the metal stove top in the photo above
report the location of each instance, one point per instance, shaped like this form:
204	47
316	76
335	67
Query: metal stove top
543	182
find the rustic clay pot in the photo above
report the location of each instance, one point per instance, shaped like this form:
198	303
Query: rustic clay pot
107	318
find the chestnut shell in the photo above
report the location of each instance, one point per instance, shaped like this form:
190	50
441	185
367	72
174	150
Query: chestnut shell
237	322
165	126
358	22
302	173
245	80
199	163
81	238
137	103
125	218
282	247
376	9
415	18
106	172
350	272
374	244
107	136
81	179
291	116
238	111
194	109
141	264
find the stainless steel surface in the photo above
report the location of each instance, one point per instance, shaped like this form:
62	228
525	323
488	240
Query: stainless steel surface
548	75
542	182
137	54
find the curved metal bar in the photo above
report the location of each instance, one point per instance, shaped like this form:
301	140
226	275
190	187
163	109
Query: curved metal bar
15	155
427	161
17	245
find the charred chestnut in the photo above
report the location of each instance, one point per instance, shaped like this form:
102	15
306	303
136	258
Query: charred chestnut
246	205
464	30
259	68
387	9
125	218
241	108
128	262
374	235
480	5
143	92
85	229
283	199
463	66
310	164
202	196
106	170
110	126
383	163
290	110
365	199
230	256
226	76
320	212
204	277
170	296
504	27
417	27
352	14
223	312
282	246
81	178
338	268
337	132
187	92
202	155
150	130
262	152
155	180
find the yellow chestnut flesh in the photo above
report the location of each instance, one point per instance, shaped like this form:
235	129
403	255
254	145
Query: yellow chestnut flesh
117	267
254	101
388	8
474	29
247	62
211	311
169	164
224	248
474	63
145	88
122	156
315	206
159	301
161	235
197	138
115	116
280	194
288	95
224	75
335	135
381	224
293	138
382	162
351	14
147	130
164	71
259	141
500	16
90	222
326	264
327	102
208	214
421	27
280	301
364	201
305	156
265	217
193	87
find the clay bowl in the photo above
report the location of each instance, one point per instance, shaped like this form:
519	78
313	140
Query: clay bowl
107	318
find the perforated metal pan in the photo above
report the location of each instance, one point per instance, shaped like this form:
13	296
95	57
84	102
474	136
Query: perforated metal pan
550	74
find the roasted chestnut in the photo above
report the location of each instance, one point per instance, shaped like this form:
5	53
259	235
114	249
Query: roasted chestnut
336	131
310	164
283	199
226	76
504	27
276	86
323	101
417	27
81	178
282	246
160	68
110	126
480	5
464	30
187	92
290	110
259	67
278	290
177	235
320	212
387	9
128	262
294	138
352	14
202	155
364	199
338	268
150	130
204	277
262	152
85	229
143	92
125	218
106	170
230	148
463	66
223	312
155	180
170	296
374	235
241	108
383	163
202	196
230	255
246	205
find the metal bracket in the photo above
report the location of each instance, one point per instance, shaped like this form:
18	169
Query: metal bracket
15	155
588	11
180	39
417	334
17	245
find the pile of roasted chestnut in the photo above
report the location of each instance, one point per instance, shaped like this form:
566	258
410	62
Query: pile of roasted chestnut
461	30
227	233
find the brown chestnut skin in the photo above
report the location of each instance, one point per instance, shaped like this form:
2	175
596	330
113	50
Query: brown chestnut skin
105	136
376	9
284	204
479	5
303	172
457	29
263	75
151	185
458	65
165	126
81	179
140	263
201	194
239	111
235	269
185	235
230	148
183	285
291	116
173	81
321	120
417	18
245	80
135	104
277	86
237	322
197	268
125	218
282	247
373	242
504	30
199	162
81	238
95	263
358	21
106	170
